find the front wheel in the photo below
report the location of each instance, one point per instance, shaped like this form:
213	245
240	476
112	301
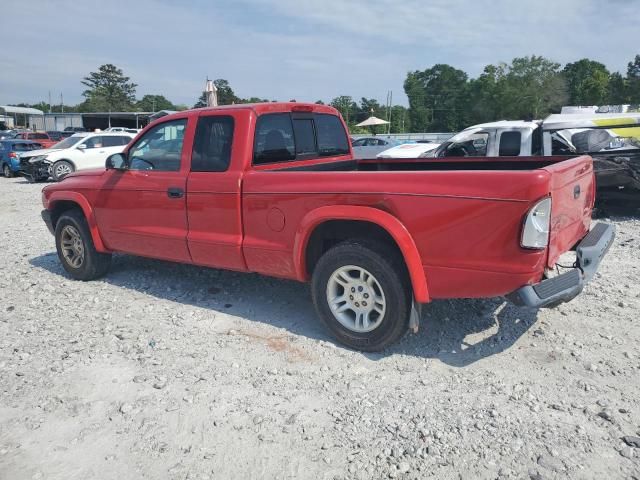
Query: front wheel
6	171
76	251
61	169
361	292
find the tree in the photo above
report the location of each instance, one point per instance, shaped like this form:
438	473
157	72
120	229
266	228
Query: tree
225	92
617	90
533	88
400	122
347	108
154	103
633	81
438	92
484	102
202	101
587	82
418	112
108	90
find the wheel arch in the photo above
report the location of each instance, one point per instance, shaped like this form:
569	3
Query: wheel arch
60	202
365	222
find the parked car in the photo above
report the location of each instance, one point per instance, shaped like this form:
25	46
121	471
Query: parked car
409	150
135	131
55	135
40	137
369	147
10	151
234	188
80	151
613	140
75	129
11	133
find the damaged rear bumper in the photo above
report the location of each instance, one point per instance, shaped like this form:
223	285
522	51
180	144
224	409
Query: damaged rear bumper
553	291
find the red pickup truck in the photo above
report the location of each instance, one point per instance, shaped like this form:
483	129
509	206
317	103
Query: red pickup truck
40	137
273	188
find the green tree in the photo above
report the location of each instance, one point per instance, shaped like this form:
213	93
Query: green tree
484	102
587	82
633	81
225	92
108	90
533	88
419	114
202	101
347	108
154	103
617	90
439	92
400	121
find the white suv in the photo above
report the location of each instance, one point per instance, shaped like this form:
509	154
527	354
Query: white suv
80	151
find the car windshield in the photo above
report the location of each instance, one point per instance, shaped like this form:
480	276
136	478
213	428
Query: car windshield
67	142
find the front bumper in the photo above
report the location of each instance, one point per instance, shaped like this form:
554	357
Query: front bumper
553	291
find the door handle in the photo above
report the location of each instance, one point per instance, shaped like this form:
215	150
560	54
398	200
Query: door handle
175	192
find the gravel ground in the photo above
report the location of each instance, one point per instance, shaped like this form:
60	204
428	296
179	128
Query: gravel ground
171	371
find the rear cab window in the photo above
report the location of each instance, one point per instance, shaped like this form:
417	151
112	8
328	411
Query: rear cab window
212	144
282	137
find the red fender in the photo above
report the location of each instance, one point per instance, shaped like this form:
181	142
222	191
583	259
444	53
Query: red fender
86	209
378	217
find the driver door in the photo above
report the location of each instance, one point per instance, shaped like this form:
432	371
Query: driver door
142	210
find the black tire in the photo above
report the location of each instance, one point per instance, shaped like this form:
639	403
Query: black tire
61	165
94	264
388	268
6	171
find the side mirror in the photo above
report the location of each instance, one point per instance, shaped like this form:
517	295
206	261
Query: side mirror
117	161
82	146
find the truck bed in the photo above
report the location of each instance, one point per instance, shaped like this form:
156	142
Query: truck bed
430	164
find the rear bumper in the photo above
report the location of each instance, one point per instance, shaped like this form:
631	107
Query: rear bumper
553	291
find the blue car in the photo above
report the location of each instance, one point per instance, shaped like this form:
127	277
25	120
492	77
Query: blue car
10	150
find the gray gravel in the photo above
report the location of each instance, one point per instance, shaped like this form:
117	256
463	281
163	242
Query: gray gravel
170	371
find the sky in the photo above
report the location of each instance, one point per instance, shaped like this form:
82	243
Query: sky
306	50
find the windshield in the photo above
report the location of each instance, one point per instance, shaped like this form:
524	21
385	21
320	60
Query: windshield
468	143
67	142
596	140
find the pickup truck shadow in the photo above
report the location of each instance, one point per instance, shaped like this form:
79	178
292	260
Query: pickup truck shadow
457	332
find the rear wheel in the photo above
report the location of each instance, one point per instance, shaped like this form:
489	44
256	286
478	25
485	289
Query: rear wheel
61	169
362	294
76	251
6	171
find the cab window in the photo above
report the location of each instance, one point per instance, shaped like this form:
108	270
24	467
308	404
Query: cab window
212	144
160	148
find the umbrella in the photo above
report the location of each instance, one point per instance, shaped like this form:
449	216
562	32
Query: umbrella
371	121
212	94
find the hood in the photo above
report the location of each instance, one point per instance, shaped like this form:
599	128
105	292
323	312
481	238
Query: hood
408	150
42	151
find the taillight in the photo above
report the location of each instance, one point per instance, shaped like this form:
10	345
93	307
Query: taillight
535	233
13	155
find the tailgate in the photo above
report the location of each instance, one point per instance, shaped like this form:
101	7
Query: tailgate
572	196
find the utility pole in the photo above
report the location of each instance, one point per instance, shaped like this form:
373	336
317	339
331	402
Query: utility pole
49	101
61	103
389	110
